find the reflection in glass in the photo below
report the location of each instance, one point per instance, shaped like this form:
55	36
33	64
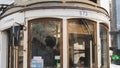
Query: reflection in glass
79	43
104	45
20	51
45	43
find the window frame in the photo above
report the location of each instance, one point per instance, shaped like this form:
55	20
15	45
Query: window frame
29	38
95	40
107	40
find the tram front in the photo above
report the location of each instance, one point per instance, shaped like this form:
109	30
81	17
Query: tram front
56	34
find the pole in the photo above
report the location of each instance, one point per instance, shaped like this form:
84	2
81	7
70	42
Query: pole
91	54
13	45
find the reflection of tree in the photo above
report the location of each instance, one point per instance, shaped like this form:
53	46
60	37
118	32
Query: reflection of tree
38	32
43	41
41	30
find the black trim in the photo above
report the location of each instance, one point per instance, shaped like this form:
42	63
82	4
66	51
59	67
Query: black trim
95	1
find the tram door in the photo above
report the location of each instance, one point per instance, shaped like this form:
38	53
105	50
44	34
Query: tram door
81	48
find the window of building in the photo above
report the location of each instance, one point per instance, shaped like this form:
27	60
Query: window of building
45	43
104	46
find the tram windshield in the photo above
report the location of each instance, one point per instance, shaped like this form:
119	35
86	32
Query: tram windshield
45	43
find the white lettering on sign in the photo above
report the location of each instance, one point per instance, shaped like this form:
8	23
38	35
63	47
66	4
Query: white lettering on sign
83	13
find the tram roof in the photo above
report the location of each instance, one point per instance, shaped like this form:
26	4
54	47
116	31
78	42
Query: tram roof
26	5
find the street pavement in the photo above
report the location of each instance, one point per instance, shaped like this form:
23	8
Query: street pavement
114	66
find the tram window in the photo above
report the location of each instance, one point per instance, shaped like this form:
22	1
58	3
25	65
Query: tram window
20	51
79	43
104	46
45	43
17	55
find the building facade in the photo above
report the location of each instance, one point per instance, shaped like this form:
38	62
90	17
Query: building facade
115	30
115	23
55	34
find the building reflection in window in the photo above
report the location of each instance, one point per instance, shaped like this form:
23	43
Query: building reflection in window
104	45
45	43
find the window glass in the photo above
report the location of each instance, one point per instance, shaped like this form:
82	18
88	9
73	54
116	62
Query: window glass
20	50
104	45
45	43
15	52
79	33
